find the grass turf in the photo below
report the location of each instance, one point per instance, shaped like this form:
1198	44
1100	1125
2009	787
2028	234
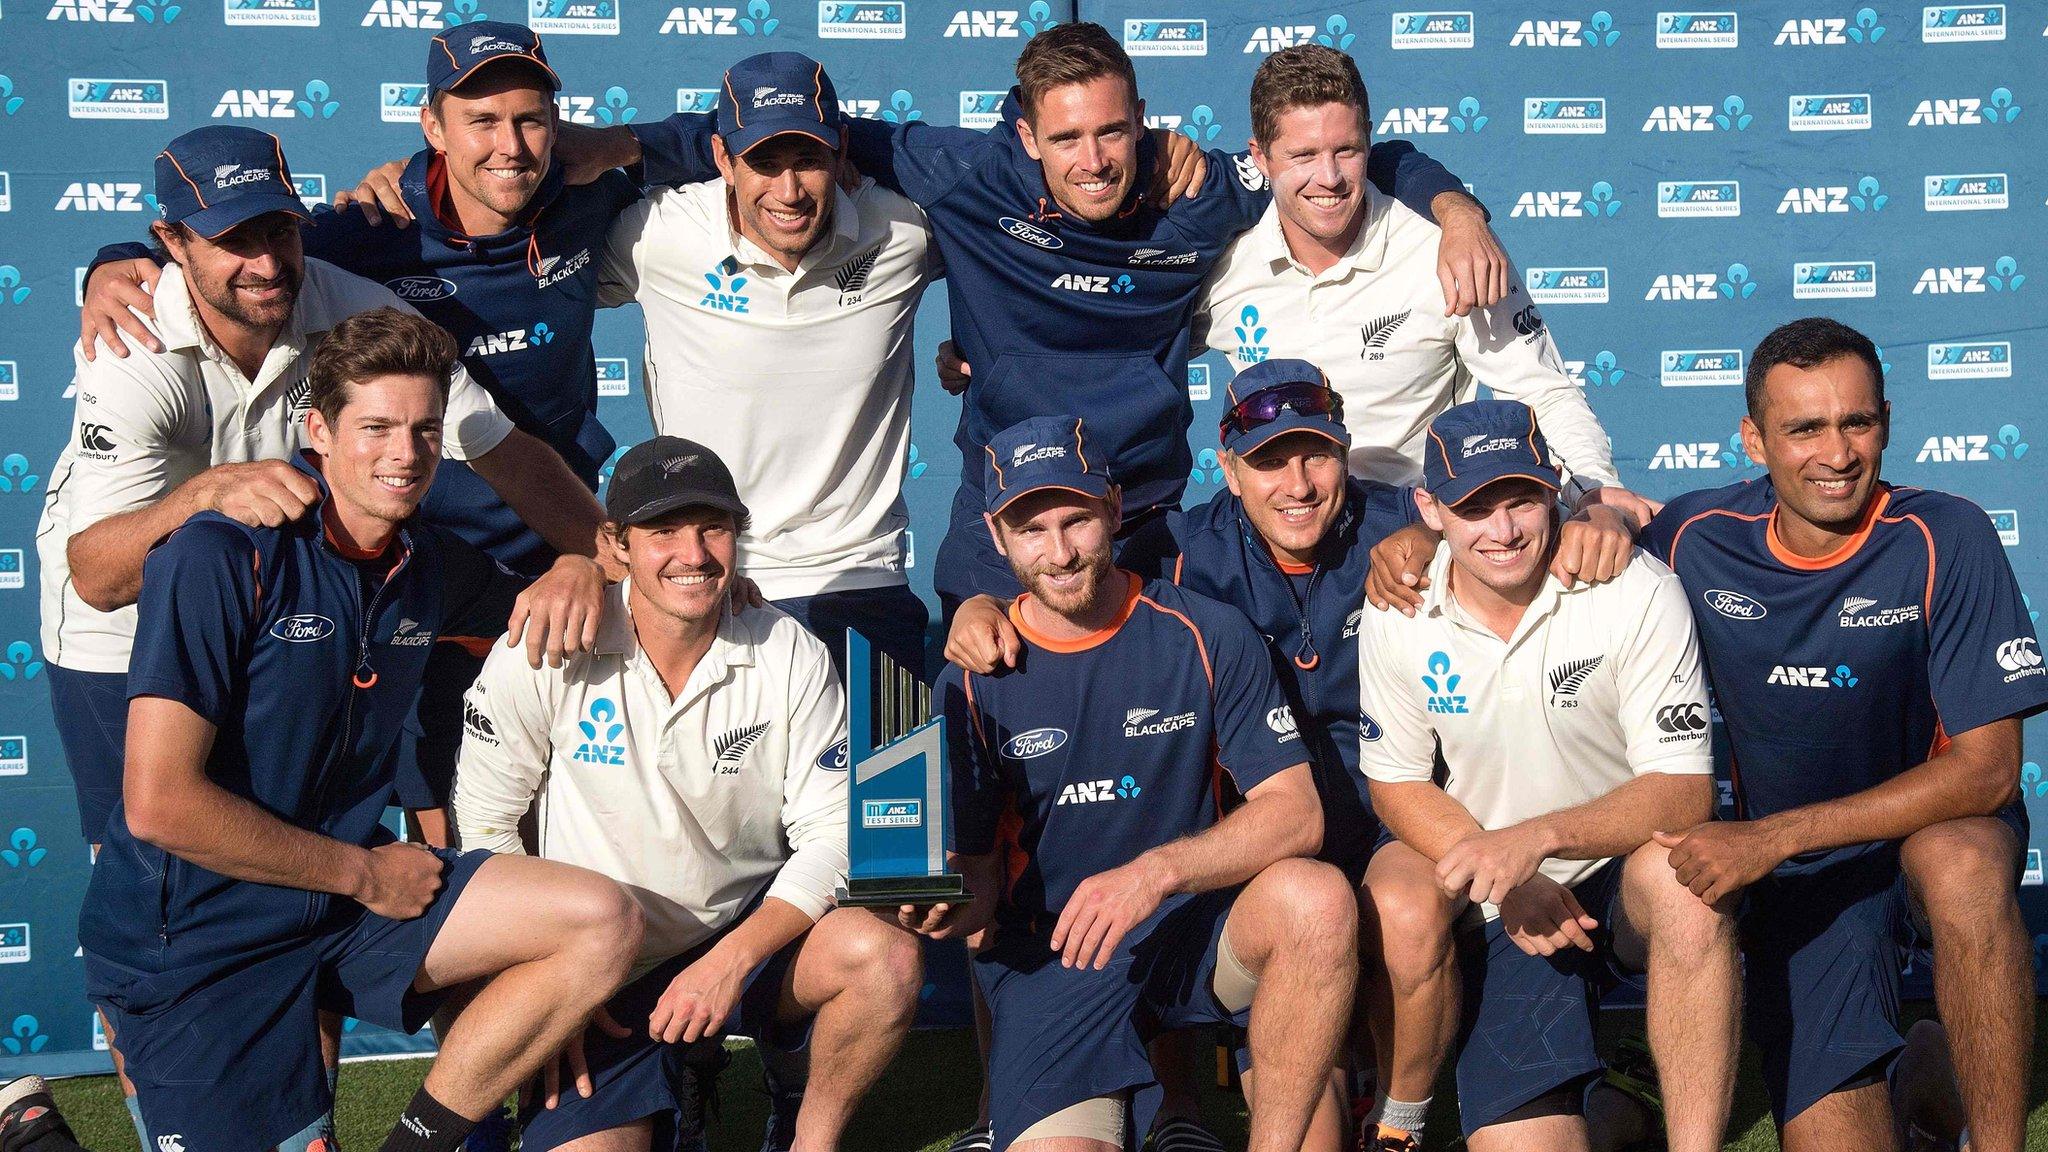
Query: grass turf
927	1098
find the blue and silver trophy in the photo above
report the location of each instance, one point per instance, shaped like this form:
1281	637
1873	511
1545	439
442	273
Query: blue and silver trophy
899	814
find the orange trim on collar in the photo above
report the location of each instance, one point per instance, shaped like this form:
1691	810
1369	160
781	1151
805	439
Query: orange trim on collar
1092	639
349	551
438	196
1854	544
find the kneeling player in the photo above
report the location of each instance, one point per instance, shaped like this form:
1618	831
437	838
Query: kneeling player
1133	908
696	756
1573	724
1873	658
246	883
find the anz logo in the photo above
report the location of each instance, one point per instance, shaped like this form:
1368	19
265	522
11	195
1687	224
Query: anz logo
516	340
95	196
1077	282
1444	697
1099	791
403	14
601	732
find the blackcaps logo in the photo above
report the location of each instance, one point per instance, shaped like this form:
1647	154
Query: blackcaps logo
1026	453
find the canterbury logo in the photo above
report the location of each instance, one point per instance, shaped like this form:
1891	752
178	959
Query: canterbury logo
733	747
1381	330
1682	718
1567	679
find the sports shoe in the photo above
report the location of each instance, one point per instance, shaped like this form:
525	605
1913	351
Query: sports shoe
696	1091
980	1138
28	1113
1392	1140
784	1102
1183	1134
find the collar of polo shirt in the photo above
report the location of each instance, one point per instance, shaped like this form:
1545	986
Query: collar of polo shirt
845	231
1368	251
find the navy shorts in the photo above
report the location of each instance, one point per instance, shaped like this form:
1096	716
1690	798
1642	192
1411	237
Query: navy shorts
1528	1026
1064	1035
228	1059
892	618
91	709
631	1078
1823	949
432	739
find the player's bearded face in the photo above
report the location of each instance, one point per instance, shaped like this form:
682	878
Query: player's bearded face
1292	488
1061	549
1085	137
380	451
249	275
1316	163
1501	535
782	192
1822	439
496	135
682	563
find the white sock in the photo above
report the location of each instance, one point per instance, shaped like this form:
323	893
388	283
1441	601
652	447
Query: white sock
1404	1115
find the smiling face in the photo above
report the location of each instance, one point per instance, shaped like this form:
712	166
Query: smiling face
1500	536
1060	546
380	449
1316	163
1085	136
782	192
247	277
496	134
1292	488
682	562
1821	434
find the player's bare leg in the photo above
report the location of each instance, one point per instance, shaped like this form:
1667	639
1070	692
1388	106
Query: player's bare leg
1329	1126
1855	1121
635	1137
858	974
1295	927
552	942
1542	1134
1695	1002
1409	986
1961	872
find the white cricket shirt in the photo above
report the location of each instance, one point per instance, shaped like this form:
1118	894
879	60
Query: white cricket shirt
697	803
1600	684
153	420
1374	322
800	381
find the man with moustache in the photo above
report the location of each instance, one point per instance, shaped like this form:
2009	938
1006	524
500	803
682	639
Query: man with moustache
1072	286
1873	659
1129	904
246	883
1571	724
694	757
505	258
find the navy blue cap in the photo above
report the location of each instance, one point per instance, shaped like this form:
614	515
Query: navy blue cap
1269	374
1039	453
213	178
455	55
776	92
1473	445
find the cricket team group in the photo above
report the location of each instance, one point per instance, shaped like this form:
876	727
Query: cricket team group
1388	761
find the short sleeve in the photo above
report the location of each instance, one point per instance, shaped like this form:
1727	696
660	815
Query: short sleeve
473	424
1983	660
978	793
200	600
1396	742
1410	175
131	417
1257	734
1662	681
920	162
676	149
1662	531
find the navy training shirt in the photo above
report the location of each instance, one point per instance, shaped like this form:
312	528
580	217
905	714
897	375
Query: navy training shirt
1309	617
1093	752
521	304
1058	315
1836	674
307	662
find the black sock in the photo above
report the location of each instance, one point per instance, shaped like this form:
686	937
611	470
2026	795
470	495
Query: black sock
427	1125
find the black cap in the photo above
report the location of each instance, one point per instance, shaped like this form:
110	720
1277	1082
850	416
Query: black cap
661	475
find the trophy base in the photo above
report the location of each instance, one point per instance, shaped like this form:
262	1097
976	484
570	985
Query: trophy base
894	890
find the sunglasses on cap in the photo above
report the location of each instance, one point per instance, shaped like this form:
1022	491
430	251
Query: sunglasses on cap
1265	406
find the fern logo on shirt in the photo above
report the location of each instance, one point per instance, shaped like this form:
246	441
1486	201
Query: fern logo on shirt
731	749
1567	678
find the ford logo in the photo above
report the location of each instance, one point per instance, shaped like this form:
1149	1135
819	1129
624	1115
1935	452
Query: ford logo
1369	728
1734	605
1037	742
834	758
412	289
1031	234
302	629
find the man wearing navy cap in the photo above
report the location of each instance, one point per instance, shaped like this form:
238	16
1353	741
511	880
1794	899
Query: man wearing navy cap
1093	764
505	258
1599	694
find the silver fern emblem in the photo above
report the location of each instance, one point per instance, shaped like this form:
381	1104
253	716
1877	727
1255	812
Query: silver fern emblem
1378	332
1566	679
731	748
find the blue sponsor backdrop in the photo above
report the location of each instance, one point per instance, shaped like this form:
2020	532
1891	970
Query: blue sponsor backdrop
1672	184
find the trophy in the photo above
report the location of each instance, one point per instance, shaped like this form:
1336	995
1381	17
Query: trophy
899	812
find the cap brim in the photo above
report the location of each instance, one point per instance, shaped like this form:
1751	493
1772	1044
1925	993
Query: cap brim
670	502
554	81
223	218
740	141
1093	487
1246	443
1463	488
